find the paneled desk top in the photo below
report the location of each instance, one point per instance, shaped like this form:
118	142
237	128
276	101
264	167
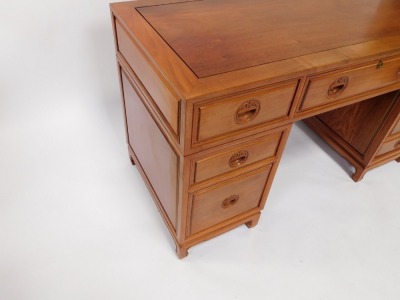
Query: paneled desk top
255	40
219	36
211	89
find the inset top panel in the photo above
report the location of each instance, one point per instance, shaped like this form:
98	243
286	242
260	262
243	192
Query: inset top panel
219	36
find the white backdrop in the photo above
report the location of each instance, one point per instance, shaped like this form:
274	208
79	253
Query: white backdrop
76	220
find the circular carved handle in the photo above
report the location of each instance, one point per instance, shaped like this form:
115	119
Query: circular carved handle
230	201
247	111
238	158
338	86
397	145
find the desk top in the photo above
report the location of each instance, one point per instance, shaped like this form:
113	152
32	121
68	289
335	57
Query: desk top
218	36
207	48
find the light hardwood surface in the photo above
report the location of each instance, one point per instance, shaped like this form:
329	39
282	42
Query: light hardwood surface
211	89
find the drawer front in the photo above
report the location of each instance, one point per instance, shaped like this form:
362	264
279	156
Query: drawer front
392	145
239	112
396	128
333	87
236	158
227	200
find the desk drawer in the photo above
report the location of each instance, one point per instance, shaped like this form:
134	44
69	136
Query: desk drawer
389	146
219	117
396	128
236	158
325	89
227	200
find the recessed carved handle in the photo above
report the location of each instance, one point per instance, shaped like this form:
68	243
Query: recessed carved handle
230	201
239	158
397	145
247	111
337	87
398	73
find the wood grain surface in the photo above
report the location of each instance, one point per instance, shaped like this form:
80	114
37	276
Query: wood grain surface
219	36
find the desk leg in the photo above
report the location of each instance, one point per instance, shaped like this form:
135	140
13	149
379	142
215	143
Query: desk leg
359	174
253	221
181	251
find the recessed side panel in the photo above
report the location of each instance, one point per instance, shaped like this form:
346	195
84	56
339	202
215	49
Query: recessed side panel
359	123
157	158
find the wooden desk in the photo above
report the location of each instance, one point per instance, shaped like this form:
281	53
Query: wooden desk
211	89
